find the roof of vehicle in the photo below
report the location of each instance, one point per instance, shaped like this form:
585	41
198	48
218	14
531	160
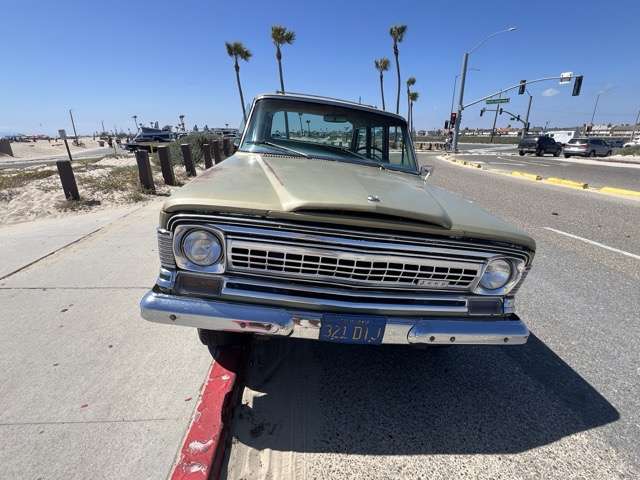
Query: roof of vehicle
304	97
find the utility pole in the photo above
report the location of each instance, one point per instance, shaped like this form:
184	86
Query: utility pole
593	115
495	118
456	127
103	130
463	77
74	128
525	128
635	124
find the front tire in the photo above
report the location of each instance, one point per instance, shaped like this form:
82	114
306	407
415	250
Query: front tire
521	152
609	153
557	154
539	153
212	340
566	156
592	153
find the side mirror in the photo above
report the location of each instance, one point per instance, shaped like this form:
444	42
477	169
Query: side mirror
426	171
236	142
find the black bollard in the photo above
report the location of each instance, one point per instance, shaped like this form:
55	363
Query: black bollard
187	159
165	165
206	150
217	153
68	180
144	171
227	147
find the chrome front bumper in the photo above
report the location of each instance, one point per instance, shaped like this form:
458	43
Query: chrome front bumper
269	320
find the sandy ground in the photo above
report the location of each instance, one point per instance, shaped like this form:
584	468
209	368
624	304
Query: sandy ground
43	148
43	197
625	158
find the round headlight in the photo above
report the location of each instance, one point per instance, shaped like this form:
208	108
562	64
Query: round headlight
496	275
202	247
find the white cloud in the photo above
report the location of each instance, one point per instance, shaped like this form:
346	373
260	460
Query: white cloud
550	92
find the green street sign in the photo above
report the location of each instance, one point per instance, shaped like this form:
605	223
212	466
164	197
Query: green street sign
493	101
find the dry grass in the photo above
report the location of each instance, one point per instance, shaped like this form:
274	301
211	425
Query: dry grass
119	179
75	206
22	178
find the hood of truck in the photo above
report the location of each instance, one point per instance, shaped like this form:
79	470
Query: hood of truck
337	192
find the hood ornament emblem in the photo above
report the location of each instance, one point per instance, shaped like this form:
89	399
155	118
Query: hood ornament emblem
373	198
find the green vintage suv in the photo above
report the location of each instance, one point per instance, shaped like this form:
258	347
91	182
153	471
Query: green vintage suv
324	226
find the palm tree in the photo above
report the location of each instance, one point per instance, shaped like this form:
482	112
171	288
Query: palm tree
281	36
238	50
411	81
382	65
413	97
397	34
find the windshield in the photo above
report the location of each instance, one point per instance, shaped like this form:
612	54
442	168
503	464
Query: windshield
328	132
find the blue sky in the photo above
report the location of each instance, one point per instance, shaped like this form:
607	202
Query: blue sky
158	59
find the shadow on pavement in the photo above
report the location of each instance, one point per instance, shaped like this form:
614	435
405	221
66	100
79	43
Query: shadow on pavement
322	397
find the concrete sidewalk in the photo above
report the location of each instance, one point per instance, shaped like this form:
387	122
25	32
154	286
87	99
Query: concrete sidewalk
86	384
24	243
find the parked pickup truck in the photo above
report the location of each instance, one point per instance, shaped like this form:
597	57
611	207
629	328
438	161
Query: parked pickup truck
326	227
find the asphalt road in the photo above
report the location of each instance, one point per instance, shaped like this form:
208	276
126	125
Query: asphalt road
566	405
596	172
51	159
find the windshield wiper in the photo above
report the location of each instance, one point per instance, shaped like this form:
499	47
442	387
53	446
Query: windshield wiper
286	149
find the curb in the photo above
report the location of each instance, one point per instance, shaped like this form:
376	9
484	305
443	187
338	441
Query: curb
529	176
203	448
620	191
566	183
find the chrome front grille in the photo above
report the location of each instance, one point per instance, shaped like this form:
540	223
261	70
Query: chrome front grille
336	256
350	267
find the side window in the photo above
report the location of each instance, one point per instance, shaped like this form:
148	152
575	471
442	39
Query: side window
369	142
377	143
398	151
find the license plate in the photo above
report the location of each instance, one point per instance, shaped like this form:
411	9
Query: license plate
362	329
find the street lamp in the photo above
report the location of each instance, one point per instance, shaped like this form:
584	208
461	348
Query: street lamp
455	82
135	121
463	75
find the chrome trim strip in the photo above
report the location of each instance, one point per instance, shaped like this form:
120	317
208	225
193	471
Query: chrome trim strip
305	301
471	332
367	246
242	318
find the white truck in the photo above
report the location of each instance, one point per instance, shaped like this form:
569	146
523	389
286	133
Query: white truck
563	136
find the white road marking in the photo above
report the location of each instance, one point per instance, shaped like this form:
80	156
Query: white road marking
591	242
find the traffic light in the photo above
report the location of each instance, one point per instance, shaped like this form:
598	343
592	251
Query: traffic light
446	124
454	116
482	111
577	86
500	111
523	87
